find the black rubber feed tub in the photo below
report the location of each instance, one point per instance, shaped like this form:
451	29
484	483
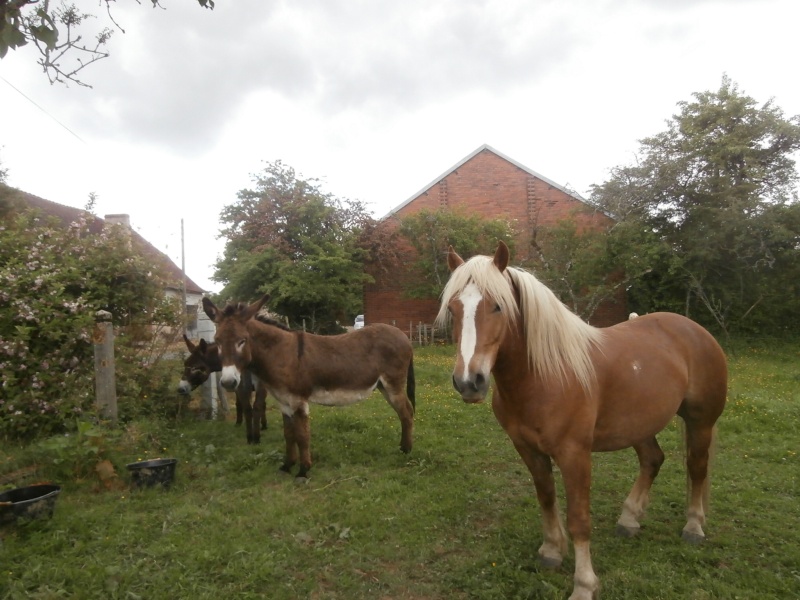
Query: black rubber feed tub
30	502
151	473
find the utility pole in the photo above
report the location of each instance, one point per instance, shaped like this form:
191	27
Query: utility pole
183	281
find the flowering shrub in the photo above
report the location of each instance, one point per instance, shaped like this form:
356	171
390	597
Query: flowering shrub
52	281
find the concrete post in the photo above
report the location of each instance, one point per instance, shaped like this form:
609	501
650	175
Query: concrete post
104	367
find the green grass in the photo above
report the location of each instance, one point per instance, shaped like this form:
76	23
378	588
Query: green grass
457	518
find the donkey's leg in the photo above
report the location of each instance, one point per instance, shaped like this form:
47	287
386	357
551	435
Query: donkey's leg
243	402
576	471
302	433
698	441
555	545
239	410
396	397
260	406
651	457
290	458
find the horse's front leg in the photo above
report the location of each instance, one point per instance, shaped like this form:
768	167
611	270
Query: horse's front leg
555	544
576	471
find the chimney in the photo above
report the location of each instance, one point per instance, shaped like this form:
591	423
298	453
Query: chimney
124	220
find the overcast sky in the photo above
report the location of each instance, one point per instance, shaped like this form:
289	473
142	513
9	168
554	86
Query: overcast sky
375	98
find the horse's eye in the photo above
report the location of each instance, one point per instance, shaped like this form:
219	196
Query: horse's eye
449	309
497	308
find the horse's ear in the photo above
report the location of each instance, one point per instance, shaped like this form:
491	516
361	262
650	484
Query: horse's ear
454	260
189	343
501	256
252	310
209	308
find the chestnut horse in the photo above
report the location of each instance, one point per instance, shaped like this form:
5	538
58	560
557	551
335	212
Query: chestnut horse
203	360
564	389
301	368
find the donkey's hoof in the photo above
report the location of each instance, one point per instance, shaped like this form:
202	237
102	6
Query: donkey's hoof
693	538
285	470
627	531
301	480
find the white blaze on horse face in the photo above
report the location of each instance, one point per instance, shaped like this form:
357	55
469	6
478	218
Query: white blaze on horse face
469	298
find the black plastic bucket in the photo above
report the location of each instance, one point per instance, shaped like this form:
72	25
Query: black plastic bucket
150	473
31	502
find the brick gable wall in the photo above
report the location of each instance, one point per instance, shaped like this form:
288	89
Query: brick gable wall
489	185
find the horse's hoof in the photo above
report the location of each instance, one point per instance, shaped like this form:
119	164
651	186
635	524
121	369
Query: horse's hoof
693	538
627	532
549	562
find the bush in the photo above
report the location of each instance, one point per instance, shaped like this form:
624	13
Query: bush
53	279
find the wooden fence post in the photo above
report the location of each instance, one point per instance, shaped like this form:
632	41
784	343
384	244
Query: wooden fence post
104	375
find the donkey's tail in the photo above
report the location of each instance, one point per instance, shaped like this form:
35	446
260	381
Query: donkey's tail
410	384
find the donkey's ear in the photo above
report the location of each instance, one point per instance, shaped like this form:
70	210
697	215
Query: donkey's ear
209	308
252	310
203	345
453	260
501	256
189	343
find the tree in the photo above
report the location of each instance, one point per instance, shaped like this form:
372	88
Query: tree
586	268
717	188
302	246
52	281
56	31
432	232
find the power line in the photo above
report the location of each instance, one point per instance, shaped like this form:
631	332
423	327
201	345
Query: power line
21	93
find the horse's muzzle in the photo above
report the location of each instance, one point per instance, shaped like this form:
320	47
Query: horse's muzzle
473	388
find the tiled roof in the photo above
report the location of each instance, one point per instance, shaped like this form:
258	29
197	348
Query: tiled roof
68	214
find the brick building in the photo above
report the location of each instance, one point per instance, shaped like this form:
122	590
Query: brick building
491	184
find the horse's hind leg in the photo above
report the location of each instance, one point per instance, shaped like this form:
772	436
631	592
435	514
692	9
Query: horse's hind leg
698	444
651	457
399	401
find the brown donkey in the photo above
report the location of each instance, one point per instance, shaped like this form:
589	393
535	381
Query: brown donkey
301	368
564	389
203	360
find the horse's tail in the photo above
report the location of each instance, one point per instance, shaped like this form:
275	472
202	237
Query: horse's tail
410	384
712	453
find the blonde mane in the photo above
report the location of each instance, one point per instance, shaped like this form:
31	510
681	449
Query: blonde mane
558	341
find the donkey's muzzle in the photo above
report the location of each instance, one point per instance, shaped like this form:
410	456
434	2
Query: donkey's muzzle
184	388
472	388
